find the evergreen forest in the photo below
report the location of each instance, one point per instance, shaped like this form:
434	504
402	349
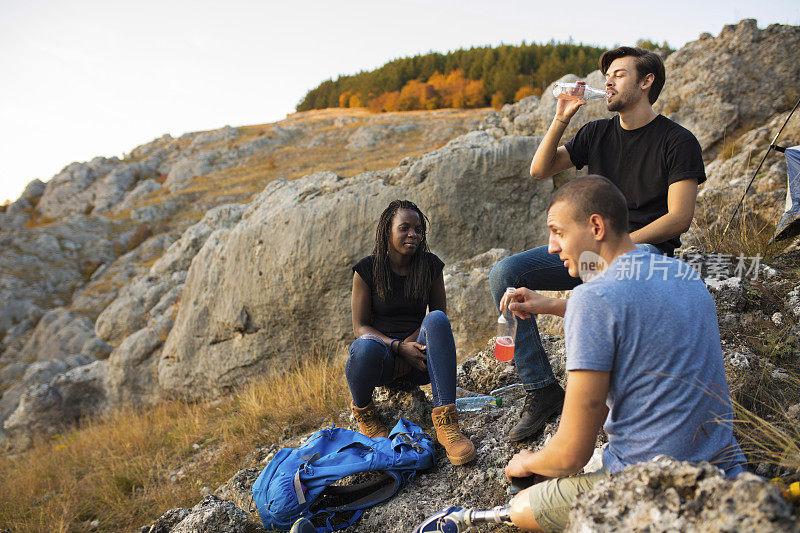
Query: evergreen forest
471	78
461	79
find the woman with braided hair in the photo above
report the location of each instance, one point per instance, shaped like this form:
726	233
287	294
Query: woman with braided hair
392	290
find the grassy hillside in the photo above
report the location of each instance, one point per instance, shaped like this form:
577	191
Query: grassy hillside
127	468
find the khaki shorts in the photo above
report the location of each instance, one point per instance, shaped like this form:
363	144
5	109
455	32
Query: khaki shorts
551	500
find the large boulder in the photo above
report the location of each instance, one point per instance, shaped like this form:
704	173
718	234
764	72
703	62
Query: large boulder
189	167
669	495
371	136
279	281
225	133
718	86
60	341
46	409
96	186
37	373
64	193
33	191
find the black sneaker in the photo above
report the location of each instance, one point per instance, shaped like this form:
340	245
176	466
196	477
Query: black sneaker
540	406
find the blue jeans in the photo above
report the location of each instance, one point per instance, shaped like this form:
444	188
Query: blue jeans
371	363
535	269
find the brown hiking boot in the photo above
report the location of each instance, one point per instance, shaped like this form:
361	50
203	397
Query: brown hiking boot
459	448
369	423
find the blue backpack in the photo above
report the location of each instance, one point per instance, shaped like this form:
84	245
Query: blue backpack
296	482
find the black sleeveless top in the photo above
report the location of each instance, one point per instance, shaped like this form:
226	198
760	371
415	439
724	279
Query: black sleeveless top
399	316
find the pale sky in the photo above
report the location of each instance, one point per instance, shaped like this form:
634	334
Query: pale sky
82	78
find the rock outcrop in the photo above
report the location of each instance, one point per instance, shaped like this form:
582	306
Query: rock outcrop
44	409
668	495
480	484
734	82
256	293
108	244
245	287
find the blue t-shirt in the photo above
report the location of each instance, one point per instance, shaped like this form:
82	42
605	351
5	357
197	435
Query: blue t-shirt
650	321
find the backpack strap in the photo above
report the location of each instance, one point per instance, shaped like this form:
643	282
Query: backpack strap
298	485
298	488
358	497
367	493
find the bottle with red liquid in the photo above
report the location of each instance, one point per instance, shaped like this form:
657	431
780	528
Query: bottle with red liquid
506	333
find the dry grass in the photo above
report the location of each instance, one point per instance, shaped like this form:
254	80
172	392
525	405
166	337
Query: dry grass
117	469
749	234
772	439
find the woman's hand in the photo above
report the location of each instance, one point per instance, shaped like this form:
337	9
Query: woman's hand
414	353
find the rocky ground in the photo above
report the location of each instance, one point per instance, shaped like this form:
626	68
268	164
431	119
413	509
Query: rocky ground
663	495
183	268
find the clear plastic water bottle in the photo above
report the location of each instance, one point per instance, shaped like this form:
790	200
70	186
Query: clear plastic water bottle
577	91
506	333
476	403
461	393
506	389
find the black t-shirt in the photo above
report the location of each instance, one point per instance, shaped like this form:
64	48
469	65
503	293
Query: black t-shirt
643	163
398	317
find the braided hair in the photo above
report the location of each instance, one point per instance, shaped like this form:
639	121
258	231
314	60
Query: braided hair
419	278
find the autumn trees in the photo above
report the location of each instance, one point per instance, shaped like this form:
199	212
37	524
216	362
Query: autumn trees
461	79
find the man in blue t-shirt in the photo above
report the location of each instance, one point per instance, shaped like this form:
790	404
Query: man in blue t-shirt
643	358
656	163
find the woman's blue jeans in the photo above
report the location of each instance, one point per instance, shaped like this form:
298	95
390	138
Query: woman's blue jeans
535	269
371	363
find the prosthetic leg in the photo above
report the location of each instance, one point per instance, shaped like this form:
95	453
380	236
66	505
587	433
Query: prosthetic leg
458	519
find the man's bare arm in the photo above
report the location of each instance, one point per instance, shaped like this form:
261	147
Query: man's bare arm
681	200
572	446
550	158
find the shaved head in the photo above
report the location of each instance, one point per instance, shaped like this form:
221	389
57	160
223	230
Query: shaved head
594	195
